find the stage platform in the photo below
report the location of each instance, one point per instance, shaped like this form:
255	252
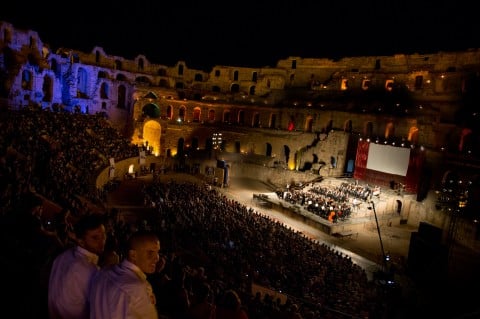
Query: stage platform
361	217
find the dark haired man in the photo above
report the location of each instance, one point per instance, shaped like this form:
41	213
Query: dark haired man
72	270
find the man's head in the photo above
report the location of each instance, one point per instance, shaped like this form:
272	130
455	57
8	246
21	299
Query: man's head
143	249
90	233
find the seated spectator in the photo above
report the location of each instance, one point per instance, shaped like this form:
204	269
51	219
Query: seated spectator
174	297
230	307
202	306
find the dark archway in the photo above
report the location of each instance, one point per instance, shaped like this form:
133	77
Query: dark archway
151	110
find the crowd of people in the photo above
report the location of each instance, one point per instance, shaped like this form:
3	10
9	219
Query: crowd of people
196	255
241	246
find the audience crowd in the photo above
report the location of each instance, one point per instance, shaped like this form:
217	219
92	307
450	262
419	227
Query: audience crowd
213	249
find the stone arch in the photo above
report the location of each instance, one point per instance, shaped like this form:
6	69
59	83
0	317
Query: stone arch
256	120
151	134
268	147
241	117
27	77
197	113
273	120
286	153
151	110
211	115
169	112
104	90
182	112
309	124
238	148
398	206
226	116
47	88
55	67
82	82
413	135
347	127
389	130
235	88
329	126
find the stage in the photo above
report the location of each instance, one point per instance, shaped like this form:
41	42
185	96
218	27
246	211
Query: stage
362	215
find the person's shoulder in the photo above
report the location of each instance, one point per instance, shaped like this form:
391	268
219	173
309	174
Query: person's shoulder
118	273
116	278
65	254
77	260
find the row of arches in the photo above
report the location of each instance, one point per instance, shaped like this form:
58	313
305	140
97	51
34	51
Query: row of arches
152	137
153	111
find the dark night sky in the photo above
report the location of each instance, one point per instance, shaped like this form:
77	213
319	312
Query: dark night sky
251	33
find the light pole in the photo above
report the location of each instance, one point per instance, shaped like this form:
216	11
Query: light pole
461	202
384	259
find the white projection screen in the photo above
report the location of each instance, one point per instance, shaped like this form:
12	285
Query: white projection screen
388	159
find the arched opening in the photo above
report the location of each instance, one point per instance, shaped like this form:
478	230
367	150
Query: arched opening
235	88
181	114
269	150
211	115
82	83
256	120
237	147
241	117
389	130
47	89
273	120
104	89
151	110
399	206
26	80
309	124
151	136
413	135
348	126
226	116
196	114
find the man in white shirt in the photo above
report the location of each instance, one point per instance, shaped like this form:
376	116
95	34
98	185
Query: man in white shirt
72	270
122	291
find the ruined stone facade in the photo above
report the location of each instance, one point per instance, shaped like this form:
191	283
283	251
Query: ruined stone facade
297	114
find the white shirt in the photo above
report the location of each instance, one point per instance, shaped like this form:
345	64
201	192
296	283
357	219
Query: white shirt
69	283
122	292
